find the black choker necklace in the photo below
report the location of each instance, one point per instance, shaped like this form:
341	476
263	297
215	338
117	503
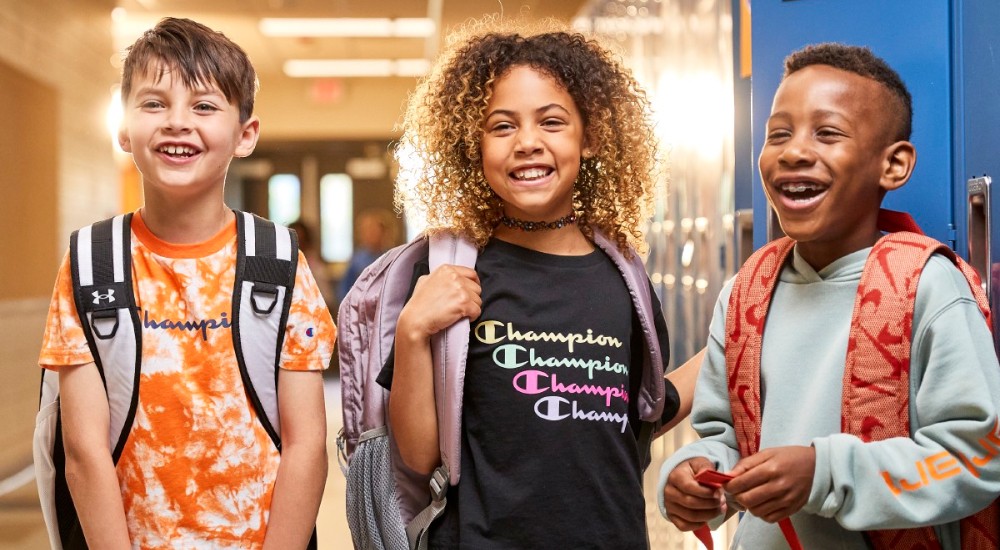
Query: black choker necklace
515	223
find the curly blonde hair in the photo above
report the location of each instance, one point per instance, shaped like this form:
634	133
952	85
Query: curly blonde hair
441	171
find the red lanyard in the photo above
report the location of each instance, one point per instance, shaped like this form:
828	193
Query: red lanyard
705	535
712	478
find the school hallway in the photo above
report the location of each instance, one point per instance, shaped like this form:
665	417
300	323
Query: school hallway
324	159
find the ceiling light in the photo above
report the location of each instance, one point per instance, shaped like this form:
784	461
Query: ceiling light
344	68
411	27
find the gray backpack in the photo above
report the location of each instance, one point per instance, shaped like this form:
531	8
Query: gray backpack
101	265
390	507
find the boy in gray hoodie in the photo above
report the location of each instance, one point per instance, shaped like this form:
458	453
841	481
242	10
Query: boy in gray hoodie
836	142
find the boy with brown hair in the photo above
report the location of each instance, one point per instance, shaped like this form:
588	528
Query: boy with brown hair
781	415
199	469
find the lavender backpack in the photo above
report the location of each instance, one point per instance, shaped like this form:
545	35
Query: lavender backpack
389	506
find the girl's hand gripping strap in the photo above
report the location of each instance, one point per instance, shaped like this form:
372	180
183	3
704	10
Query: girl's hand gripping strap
449	349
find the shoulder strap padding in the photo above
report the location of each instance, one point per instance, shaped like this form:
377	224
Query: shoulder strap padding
101	266
876	387
875	393
651	393
746	315
266	263
449	349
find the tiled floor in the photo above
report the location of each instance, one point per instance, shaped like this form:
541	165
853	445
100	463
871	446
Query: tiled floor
331	525
21	526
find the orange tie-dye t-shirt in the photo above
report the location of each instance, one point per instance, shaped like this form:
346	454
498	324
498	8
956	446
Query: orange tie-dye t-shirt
198	468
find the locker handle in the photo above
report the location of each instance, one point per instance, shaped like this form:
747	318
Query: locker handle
980	228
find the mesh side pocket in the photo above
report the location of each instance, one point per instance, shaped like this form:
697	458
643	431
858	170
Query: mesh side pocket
372	506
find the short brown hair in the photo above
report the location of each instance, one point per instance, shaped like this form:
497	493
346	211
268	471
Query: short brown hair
199	54
860	61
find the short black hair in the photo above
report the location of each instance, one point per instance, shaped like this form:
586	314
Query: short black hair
861	61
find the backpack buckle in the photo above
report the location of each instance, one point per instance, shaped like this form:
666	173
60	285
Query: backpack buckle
101	317
263	297
342	450
439	483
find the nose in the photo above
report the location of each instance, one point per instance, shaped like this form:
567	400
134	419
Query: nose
528	141
178	119
796	151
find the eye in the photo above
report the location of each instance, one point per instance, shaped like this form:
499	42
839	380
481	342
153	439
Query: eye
501	128
777	135
205	107
553	123
151	104
828	133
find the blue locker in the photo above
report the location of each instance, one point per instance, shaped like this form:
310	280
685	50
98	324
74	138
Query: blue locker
945	50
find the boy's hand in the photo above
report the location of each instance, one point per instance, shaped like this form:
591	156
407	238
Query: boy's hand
690	504
774	483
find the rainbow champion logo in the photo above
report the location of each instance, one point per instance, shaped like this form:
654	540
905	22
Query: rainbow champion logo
310	332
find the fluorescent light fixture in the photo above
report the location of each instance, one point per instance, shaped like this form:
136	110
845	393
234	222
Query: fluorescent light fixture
412	67
404	27
345	68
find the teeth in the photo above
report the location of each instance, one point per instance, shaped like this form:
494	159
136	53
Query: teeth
530	173
177	150
799	187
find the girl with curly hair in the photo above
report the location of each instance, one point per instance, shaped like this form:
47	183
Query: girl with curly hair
537	146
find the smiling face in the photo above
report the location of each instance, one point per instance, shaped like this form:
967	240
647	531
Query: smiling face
828	160
182	139
533	139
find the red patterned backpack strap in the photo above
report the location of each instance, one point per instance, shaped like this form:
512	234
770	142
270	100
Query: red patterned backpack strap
980	531
745	317
892	221
875	400
746	314
875	396
876	389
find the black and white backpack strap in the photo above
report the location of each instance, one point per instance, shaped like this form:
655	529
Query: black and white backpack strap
266	261
101	265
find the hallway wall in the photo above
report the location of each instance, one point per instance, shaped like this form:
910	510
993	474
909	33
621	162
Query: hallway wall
58	173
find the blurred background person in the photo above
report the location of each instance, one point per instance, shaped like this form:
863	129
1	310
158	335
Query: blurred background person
375	232
310	249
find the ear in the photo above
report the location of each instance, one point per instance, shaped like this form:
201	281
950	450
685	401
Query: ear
123	140
249	133
897	165
590	148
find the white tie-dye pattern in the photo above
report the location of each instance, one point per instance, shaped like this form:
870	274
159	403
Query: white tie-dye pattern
161	359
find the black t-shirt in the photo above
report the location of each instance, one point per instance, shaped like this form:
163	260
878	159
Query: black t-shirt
549	453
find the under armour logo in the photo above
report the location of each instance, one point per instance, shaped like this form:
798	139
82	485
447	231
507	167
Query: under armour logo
108	297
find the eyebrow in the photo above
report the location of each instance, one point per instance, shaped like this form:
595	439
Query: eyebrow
820	114
539	111
824	113
199	91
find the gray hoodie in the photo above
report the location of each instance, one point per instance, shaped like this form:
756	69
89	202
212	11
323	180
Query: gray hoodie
954	400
